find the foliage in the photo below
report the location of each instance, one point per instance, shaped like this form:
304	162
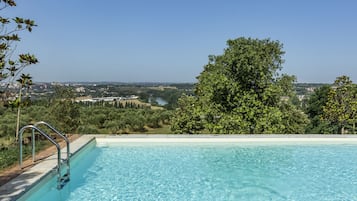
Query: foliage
241	91
113	120
10	68
341	105
82	119
189	119
64	112
9	153
314	109
8	156
295	120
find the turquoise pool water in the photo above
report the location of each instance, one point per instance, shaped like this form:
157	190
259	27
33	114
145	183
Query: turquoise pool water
210	172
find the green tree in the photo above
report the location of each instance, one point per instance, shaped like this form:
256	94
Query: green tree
242	91
293	119
314	109
341	105
64	112
187	118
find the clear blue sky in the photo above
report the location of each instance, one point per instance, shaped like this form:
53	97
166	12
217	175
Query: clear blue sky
169	41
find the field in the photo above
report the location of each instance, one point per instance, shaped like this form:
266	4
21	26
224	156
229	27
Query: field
140	103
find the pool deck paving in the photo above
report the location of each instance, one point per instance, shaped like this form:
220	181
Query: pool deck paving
21	184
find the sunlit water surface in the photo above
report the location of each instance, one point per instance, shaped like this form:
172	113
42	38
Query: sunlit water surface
211	172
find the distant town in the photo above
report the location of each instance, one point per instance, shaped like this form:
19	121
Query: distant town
117	91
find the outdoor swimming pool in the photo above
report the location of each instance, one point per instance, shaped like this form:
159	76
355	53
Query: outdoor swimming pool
209	171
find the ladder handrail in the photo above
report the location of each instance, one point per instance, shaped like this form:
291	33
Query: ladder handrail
47	137
58	133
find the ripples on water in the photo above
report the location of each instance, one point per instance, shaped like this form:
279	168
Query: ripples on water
207	172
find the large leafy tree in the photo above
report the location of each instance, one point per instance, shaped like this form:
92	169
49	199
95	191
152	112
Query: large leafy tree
341	105
241	91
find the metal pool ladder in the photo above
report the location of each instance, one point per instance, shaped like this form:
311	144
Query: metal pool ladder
61	179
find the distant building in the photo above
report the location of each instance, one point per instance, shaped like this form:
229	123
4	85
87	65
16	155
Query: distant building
105	99
80	90
310	89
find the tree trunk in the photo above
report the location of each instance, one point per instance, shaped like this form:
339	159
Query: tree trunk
343	130
354	127
18	116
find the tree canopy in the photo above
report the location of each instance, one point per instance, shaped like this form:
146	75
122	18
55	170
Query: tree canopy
341	105
314	109
241	91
